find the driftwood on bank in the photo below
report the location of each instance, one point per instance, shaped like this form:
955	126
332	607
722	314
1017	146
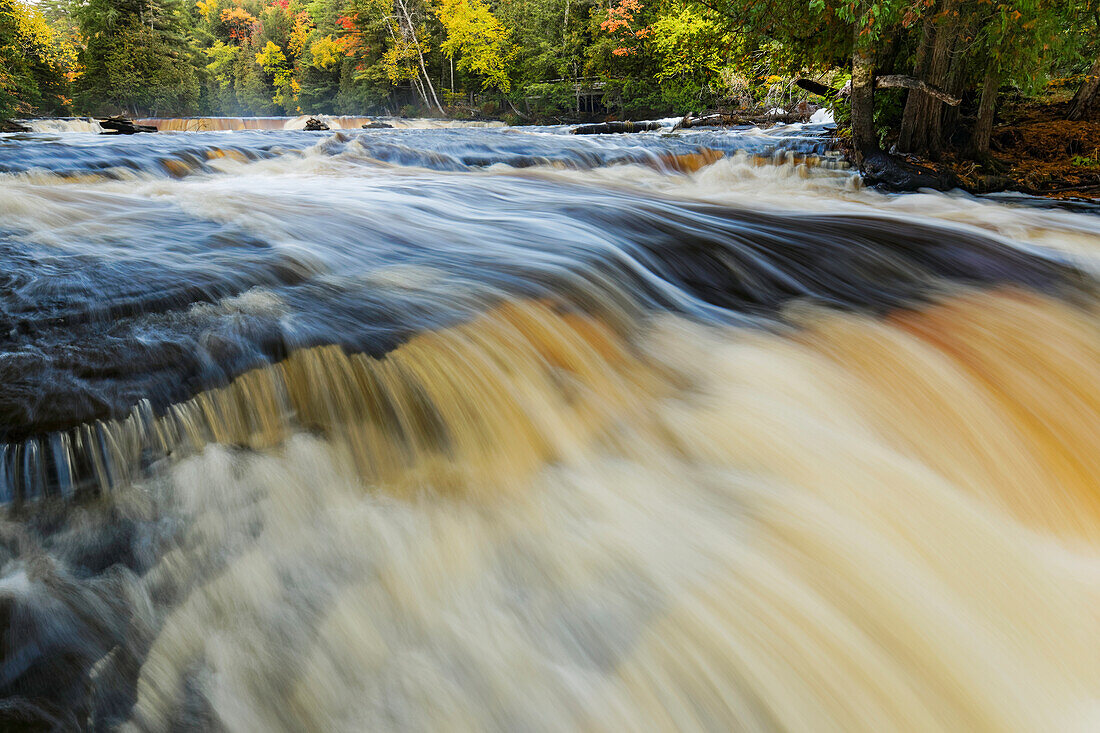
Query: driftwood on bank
887	81
612	127
119	125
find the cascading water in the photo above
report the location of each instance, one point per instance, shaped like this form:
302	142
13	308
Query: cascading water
514	430
334	122
72	124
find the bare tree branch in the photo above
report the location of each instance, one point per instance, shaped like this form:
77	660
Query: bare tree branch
908	82
887	81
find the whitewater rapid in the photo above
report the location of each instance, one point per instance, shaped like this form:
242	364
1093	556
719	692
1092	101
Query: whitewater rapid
509	429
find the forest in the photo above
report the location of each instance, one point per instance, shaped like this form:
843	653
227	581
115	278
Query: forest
917	75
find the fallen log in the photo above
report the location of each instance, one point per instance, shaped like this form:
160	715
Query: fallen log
887	81
315	125
816	87
714	120
604	128
892	81
119	125
734	119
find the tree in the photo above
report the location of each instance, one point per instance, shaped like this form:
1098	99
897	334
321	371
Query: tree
943	51
1083	46
1088	94
136	70
650	57
482	44
407	45
35	62
136	58
274	62
223	62
254	94
692	49
826	33
241	23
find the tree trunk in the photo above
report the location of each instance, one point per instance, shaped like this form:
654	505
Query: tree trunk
414	81
895	81
864	139
878	168
1088	95
956	83
420	54
921	125
431	87
983	128
920	70
419	87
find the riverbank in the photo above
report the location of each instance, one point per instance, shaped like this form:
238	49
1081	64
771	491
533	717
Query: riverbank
1034	150
1037	151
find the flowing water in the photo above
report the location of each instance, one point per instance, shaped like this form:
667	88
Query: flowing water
232	124
507	429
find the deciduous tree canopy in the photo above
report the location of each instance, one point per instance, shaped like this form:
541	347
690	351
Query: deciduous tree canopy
554	58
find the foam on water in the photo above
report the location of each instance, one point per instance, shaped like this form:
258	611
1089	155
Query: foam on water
63	125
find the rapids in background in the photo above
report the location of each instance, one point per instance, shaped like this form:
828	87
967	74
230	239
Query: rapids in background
233	124
507	429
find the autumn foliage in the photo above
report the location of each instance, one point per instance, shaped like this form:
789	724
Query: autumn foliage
539	57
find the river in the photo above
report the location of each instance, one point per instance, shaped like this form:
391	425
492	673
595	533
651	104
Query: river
474	428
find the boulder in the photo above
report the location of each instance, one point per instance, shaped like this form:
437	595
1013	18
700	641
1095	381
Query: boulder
891	173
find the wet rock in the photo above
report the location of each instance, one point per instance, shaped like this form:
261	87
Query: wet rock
604	128
377	126
119	125
892	173
315	125
19	714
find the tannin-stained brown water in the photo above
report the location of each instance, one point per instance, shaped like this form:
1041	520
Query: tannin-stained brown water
508	430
